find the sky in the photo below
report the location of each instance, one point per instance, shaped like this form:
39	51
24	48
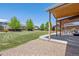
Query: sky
23	11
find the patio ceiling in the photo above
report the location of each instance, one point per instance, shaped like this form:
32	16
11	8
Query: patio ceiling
64	10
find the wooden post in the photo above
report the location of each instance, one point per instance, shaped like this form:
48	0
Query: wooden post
56	24
49	30
60	27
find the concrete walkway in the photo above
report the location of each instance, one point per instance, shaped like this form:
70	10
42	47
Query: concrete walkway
37	48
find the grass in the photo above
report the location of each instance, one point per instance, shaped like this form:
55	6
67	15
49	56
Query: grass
13	39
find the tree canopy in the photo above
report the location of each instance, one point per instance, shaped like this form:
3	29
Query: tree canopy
29	25
47	25
14	23
42	27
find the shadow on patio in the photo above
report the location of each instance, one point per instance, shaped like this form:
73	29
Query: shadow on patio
72	48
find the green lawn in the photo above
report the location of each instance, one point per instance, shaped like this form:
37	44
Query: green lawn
12	39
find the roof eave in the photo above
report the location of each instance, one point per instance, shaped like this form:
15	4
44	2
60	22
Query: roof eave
55	6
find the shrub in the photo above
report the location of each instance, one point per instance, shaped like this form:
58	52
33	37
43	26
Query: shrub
5	30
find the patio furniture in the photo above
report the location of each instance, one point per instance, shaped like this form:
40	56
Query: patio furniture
76	33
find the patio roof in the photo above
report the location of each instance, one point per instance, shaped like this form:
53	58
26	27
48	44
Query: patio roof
65	10
69	12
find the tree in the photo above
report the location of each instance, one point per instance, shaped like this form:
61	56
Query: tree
42	27
47	26
29	25
14	23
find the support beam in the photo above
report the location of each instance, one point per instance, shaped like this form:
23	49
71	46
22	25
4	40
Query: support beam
63	30
49	25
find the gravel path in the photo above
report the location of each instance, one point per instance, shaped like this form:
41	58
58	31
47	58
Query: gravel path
37	48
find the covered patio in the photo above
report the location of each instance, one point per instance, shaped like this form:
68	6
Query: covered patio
67	17
64	13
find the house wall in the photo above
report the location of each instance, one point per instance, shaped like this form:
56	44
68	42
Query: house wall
3	24
69	20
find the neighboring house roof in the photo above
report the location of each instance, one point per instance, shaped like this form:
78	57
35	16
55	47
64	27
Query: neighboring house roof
3	20
36	27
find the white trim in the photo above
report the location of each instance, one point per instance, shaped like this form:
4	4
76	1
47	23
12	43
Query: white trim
54	40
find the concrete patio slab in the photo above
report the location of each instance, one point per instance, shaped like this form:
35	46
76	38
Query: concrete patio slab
37	48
